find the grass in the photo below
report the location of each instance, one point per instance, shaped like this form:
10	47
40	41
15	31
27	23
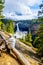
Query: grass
25	42
29	44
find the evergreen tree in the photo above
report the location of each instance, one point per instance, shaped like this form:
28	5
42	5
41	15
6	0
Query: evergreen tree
10	27
1	8
29	37
2	26
38	42
40	34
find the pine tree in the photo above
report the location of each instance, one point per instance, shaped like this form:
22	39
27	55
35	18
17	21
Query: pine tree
40	34
29	37
10	27
2	26
1	8
38	42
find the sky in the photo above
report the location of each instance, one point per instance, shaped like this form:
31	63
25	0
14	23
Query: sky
21	9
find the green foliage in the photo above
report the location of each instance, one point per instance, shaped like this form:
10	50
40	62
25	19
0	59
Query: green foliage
1	8
29	37
10	27
40	19
40	34
36	42
2	2
34	20
25	42
1	25
39	40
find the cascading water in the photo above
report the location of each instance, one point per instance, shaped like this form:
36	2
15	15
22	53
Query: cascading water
17	27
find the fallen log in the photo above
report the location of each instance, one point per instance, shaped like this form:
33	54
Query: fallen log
1	40
25	46
20	57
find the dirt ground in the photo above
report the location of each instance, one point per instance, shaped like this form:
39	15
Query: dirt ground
6	59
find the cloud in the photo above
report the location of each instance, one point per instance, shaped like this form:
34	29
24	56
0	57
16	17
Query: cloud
29	2
17	7
20	9
17	17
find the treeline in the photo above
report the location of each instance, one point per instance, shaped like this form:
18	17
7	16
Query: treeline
39	19
9	26
38	39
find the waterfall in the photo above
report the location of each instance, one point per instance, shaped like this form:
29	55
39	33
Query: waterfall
17	27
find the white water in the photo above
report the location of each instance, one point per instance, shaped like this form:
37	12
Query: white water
17	27
18	33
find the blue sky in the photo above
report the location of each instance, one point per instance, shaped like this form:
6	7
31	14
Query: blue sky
21	9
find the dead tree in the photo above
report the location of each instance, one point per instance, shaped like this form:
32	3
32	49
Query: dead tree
3	46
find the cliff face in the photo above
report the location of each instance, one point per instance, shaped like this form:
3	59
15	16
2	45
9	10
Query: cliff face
34	28
29	26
